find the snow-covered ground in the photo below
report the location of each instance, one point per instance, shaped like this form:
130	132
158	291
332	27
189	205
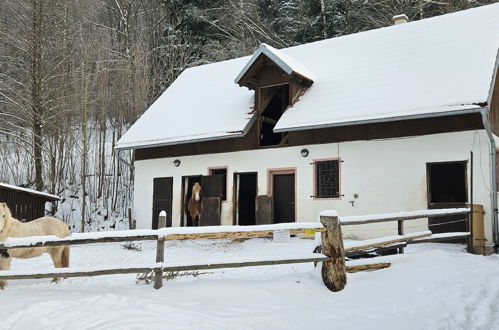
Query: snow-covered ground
432	286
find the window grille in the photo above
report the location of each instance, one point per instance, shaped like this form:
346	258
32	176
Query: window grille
327	179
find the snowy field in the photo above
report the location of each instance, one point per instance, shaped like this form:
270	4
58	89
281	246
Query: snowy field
432	286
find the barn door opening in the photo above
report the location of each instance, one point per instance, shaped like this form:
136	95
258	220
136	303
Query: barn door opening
274	101
447	188
246	191
283	193
162	200
187	184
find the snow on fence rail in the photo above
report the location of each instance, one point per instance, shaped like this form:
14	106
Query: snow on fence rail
166	234
400	217
334	267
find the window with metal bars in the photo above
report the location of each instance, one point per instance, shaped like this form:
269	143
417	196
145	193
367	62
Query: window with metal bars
327	179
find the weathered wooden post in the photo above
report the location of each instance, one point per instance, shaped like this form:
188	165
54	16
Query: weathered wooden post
401	232
334	270
477	230
160	252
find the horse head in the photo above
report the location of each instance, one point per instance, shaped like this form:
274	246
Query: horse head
196	192
5	215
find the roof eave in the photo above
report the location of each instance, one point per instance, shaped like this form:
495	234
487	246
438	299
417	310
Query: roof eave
383	120
166	144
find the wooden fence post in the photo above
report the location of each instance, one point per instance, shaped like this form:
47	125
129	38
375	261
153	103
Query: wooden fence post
334	270
477	230
401	232
160	252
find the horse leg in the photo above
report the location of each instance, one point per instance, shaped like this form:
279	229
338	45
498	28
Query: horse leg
58	256
4	265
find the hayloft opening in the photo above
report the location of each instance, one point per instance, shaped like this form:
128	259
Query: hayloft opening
275	101
447	183
447	188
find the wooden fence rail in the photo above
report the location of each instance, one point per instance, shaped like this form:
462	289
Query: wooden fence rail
334	268
168	234
401	217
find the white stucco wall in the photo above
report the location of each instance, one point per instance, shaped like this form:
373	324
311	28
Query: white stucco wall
388	175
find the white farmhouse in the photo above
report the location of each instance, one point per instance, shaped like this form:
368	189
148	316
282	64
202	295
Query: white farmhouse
395	119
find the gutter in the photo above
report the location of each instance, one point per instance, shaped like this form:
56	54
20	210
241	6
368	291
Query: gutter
473	109
493	177
233	134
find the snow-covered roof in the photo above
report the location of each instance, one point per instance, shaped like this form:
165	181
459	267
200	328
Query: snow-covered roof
434	67
203	103
29	191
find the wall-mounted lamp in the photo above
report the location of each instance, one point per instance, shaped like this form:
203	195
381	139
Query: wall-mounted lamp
304	152
176	162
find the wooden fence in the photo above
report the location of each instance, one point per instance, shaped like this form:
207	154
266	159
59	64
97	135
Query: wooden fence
334	268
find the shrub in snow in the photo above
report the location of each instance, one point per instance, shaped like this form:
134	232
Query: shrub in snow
134	246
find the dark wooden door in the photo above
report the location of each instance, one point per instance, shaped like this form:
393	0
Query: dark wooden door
162	200
211	196
213	186
283	191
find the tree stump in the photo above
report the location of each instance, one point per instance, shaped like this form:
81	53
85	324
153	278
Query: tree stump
334	270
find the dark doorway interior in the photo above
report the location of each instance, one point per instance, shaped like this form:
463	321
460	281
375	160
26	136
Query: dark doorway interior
447	188
187	184
246	198
283	192
212	186
447	183
162	200
279	101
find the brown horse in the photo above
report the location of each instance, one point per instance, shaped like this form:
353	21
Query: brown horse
194	205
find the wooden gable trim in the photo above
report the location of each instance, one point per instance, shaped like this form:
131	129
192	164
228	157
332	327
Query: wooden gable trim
265	73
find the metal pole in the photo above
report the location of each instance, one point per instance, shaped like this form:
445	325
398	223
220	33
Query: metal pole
472	207
160	252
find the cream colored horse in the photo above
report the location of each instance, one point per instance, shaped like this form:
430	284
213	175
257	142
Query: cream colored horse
10	227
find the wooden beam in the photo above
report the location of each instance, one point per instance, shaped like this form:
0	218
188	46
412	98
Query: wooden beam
174	268
441	238
346	222
381	249
61	242
235	234
268	120
69	273
388	241
359	268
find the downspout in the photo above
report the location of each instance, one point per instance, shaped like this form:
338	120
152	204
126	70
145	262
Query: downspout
493	190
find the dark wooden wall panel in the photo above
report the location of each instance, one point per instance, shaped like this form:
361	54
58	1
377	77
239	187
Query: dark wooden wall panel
393	129
494	108
24	207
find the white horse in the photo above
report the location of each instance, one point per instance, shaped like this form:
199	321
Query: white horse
10	227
